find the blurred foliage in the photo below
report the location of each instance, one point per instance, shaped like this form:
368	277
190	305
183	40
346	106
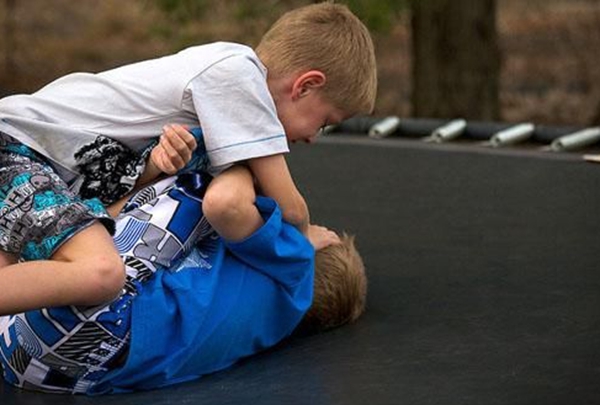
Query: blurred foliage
189	22
246	9
183	10
378	15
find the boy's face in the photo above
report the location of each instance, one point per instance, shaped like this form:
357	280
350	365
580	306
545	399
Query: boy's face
306	112
310	116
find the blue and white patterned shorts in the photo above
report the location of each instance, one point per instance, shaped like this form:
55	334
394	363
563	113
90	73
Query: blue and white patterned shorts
70	349
38	212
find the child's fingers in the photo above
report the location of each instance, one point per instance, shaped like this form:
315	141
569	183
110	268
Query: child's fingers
169	144
322	237
185	135
332	237
163	162
181	137
181	140
169	157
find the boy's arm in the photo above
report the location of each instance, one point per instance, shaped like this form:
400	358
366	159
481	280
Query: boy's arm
275	181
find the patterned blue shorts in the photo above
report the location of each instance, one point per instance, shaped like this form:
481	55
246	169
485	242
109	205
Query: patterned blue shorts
70	349
38	212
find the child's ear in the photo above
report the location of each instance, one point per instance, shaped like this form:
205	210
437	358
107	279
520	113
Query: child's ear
307	82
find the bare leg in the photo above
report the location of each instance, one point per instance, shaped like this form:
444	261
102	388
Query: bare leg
228	204
86	270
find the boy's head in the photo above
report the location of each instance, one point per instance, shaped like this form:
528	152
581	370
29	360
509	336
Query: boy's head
340	288
324	49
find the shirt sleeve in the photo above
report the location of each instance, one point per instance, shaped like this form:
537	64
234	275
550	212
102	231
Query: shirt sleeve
277	249
236	112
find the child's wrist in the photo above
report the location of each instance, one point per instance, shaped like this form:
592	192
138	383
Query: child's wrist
151	172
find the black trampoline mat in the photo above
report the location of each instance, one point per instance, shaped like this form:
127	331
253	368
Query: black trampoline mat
484	285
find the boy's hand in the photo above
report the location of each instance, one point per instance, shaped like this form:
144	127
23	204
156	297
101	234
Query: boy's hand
174	149
321	237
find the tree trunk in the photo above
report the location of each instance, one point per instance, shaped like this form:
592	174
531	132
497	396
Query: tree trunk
456	61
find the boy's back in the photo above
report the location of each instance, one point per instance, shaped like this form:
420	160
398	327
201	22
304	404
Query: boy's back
132	104
225	302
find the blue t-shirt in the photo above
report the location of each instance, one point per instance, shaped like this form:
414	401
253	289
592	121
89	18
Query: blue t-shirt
225	301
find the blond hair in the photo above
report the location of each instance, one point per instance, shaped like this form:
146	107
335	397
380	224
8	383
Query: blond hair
327	37
340	288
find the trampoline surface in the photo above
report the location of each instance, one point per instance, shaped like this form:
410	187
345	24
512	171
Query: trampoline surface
484	284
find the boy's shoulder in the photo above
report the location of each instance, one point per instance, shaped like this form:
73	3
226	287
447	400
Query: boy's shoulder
230	57
220	48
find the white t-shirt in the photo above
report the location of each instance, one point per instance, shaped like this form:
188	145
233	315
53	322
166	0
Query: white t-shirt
220	86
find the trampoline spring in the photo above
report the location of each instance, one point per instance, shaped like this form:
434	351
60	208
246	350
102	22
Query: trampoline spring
385	127
326	130
512	135
576	140
448	131
592	158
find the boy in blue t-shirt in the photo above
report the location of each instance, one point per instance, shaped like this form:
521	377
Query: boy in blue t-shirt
194	302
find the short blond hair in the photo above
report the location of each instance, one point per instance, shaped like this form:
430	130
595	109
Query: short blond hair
327	37
340	288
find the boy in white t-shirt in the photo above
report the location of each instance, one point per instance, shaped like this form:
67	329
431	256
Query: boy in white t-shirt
87	136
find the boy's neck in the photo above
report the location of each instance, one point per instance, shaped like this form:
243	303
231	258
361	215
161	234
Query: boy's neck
280	87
